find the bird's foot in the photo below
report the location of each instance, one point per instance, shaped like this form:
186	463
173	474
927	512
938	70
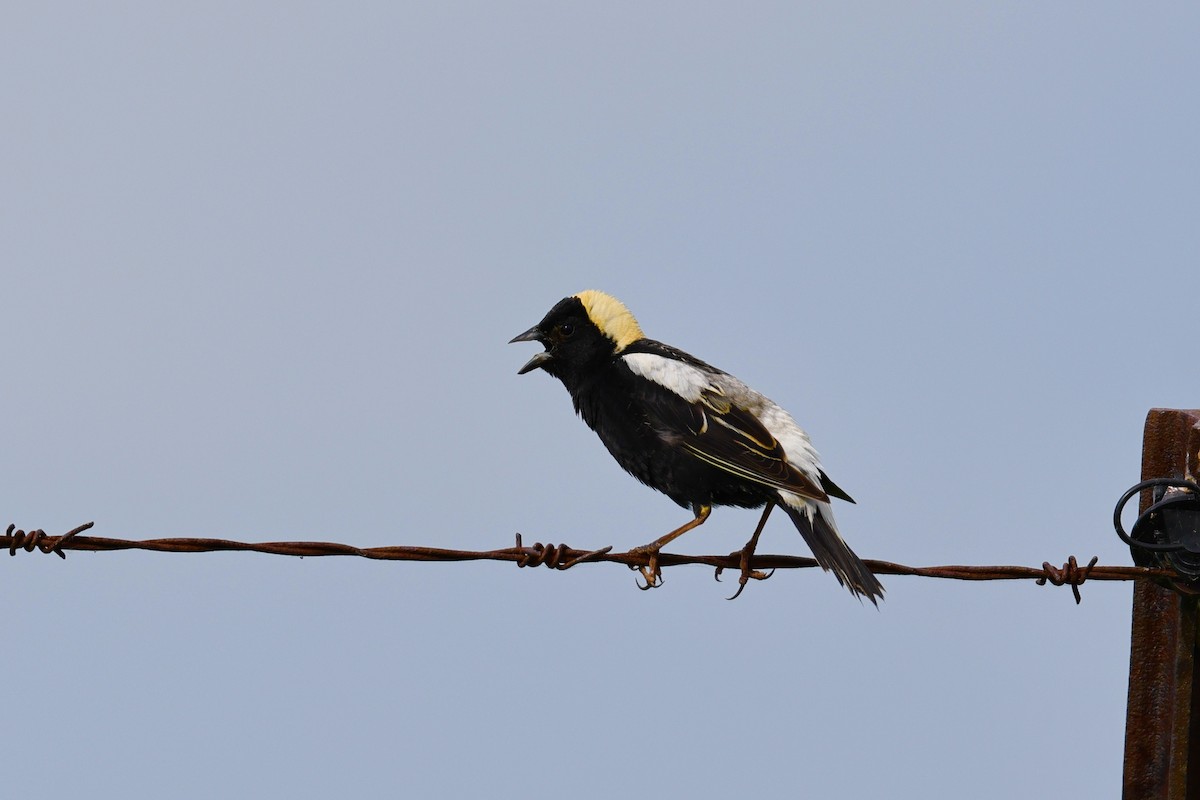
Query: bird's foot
652	573
744	555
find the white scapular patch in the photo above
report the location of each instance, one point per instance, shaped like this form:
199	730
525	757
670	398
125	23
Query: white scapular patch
679	377
691	382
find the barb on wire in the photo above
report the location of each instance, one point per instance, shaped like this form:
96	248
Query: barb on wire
561	557
20	540
1070	573
555	556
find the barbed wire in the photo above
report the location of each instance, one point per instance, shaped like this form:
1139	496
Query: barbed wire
561	557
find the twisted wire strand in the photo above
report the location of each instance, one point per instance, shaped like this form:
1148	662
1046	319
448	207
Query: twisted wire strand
561	557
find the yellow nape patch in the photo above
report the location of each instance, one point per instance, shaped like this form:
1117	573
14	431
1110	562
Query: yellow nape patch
611	317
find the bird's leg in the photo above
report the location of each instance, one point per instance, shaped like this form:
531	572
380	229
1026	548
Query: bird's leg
747	553
652	572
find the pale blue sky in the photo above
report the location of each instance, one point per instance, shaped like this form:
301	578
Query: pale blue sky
260	263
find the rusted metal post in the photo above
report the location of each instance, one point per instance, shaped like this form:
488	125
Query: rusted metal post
1162	724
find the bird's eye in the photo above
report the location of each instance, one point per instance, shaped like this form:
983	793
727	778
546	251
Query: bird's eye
566	329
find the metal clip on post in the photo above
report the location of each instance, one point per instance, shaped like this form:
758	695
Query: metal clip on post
1167	533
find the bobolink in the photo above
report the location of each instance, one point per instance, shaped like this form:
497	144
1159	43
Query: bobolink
691	431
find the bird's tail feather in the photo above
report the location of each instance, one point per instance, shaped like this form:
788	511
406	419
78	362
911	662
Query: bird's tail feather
833	554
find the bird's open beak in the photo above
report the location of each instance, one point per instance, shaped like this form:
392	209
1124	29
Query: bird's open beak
534	334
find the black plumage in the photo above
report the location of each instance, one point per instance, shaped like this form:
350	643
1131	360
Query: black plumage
690	430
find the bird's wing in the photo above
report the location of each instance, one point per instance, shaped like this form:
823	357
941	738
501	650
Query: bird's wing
691	411
733	439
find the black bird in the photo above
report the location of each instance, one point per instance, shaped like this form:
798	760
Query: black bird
691	431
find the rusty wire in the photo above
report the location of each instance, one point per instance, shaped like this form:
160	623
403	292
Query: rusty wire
562	557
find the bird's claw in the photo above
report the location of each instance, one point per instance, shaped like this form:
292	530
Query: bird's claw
652	572
653	580
744	555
